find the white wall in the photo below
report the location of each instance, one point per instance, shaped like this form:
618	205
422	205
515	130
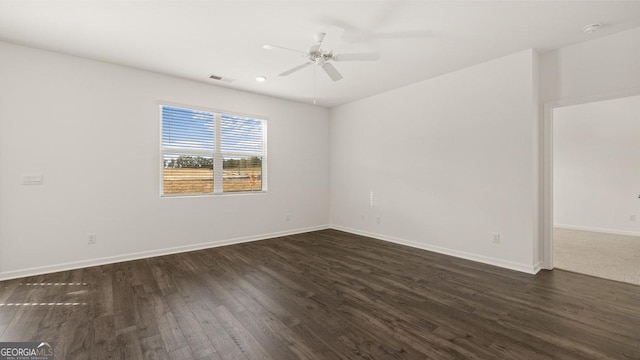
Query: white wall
596	166
450	161
76	120
600	67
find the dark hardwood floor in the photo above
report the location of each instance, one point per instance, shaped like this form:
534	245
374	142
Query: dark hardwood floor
321	295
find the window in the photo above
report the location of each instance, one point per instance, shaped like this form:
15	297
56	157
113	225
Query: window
206	152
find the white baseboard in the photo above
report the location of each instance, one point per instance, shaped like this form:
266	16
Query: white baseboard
529	269
148	254
538	266
599	230
180	249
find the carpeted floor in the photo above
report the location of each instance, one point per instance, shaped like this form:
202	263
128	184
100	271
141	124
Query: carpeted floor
615	257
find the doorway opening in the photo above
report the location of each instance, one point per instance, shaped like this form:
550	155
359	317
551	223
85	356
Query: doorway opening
592	186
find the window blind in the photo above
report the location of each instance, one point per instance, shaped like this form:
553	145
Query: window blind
193	161
241	135
187	129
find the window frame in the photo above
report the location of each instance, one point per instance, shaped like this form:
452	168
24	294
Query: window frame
217	154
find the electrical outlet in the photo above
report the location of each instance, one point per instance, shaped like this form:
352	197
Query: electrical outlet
92	238
287	217
495	238
362	217
378	220
632	217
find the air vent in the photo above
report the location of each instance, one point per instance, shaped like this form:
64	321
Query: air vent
220	78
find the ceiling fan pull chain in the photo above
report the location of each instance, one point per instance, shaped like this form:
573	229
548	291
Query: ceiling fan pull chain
314	85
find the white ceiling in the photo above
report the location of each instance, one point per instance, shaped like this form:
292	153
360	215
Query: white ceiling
416	40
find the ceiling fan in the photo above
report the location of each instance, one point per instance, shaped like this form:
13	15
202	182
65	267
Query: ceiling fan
321	54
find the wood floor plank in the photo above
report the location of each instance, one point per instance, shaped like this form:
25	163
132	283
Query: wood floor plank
153	348
243	338
170	331
104	341
184	353
215	332
322	328
193	333
321	295
128	344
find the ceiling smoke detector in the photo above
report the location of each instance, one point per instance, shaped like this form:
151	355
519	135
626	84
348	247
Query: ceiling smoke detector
591	28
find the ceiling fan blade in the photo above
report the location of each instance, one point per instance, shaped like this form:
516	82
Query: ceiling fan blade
299	67
331	38
331	71
356	57
313	49
271	46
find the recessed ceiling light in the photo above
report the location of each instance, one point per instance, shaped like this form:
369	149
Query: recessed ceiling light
261	78
267	46
591	28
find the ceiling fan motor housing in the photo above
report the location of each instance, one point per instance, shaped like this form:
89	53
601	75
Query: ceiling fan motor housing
320	57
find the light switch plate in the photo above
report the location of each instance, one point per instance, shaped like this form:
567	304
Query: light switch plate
32	179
